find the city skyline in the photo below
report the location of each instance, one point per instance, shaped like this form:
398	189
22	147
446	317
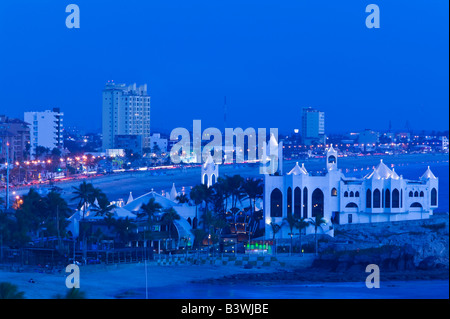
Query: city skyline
269	61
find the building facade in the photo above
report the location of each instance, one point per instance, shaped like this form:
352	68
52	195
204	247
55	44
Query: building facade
126	111
129	142
313	126
380	196
46	129
16	133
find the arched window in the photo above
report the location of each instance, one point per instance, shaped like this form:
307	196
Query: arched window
205	179
395	198
416	194
345	194
421	194
213	179
356	194
352	194
305	202
411	194
334	192
351	205
289	201
368	198
417	205
317	199
387	199
189	220
401	198
276	203
331	159
434	197
376	198
297	202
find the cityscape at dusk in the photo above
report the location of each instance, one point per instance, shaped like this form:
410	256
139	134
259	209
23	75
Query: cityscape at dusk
193	150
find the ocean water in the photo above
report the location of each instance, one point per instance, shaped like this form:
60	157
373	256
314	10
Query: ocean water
431	289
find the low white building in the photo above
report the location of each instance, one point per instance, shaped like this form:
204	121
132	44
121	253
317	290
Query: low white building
380	196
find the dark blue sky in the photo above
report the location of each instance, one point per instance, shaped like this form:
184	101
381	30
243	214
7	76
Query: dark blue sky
270	58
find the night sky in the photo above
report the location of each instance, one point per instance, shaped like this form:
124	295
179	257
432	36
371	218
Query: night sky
269	58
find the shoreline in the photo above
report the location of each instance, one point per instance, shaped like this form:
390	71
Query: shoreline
126	281
305	275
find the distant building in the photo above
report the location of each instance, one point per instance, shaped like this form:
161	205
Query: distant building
126	111
115	152
161	143
17	133
129	142
46	129
381	196
403	137
368	137
313	126
444	143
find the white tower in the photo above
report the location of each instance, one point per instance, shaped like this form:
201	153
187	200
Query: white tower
209	172
331	159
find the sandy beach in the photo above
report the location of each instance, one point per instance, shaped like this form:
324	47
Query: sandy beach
106	282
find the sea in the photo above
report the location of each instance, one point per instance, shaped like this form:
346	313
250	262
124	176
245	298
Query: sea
427	289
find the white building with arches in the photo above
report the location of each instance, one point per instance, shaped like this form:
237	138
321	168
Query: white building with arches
380	196
209	171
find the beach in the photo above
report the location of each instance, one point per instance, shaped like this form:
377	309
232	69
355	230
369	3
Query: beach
107	282
127	281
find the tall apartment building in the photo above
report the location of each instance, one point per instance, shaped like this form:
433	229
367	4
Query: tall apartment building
126	111
46	129
17	133
313	126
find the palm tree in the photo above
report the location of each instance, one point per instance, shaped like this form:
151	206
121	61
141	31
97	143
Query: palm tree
182	198
169	217
291	221
10	291
150	209
197	194
317	222
253	188
84	194
275	229
234	185
301	224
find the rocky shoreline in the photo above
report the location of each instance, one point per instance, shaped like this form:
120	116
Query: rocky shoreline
311	276
403	251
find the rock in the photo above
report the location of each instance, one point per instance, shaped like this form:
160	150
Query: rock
428	263
341	267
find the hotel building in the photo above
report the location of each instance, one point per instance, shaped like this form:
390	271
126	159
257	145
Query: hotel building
126	111
46	129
